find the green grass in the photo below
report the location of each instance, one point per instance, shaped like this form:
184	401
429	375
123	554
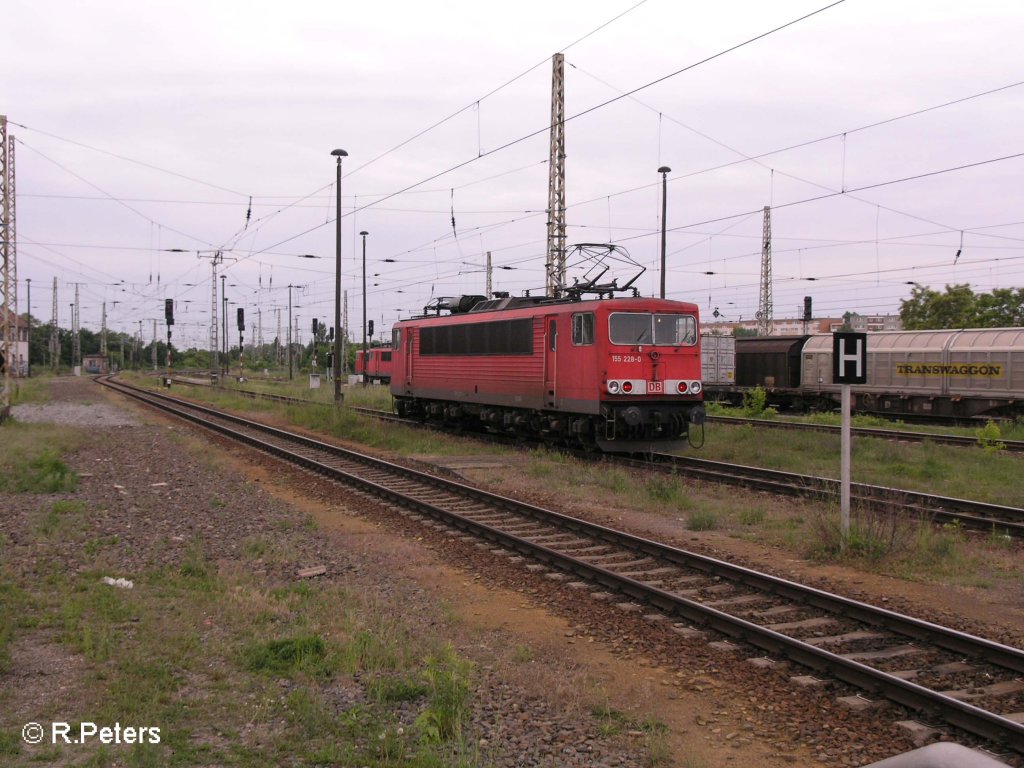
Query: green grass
306	654
448	678
60	517
34	390
751	516
40	470
702	520
230	641
975	473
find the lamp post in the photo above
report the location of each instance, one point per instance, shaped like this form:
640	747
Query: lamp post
222	363
366	363
664	170
289	333
338	153
28	357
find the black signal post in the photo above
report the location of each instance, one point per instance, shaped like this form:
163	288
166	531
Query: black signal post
241	346
169	318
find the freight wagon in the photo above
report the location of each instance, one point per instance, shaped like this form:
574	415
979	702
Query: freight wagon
964	373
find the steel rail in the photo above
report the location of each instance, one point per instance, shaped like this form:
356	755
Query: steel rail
1013	446
978	515
885	434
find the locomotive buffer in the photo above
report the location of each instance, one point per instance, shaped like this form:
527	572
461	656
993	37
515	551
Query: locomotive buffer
849	366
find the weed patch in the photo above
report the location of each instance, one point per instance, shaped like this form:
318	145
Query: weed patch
58	517
43	472
447	678
306	653
751	516
702	520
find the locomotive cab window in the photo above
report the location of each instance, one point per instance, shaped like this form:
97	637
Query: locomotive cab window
583	328
675	330
643	328
396	338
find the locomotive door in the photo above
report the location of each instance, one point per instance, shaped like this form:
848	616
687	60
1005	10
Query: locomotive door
550	350
409	356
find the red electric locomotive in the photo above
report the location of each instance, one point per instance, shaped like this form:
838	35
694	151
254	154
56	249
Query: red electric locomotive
379	366
623	374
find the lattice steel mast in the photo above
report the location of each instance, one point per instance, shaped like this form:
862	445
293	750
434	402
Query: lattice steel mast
764	309
8	280
215	258
556	181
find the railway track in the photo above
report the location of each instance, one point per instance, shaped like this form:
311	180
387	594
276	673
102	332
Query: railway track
973	515
896	435
967	513
946	676
899	435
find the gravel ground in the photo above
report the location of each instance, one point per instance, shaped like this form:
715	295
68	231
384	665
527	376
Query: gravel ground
731	712
154	494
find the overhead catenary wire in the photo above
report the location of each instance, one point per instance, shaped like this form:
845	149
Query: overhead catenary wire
578	115
456	233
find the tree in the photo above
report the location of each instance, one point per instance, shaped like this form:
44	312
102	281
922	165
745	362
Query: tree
1003	308
960	307
929	309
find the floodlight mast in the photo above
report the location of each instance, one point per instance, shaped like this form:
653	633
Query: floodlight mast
338	153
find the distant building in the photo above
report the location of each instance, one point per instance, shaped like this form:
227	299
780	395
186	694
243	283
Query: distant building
95	364
782	326
19	347
872	323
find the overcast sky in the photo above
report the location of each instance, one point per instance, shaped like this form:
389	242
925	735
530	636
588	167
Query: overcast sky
144	127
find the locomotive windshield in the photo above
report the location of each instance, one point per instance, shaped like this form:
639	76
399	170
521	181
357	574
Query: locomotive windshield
631	328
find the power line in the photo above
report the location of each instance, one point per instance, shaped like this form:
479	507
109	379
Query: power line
539	131
476	102
129	159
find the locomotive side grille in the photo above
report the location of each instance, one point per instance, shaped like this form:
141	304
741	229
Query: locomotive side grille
499	337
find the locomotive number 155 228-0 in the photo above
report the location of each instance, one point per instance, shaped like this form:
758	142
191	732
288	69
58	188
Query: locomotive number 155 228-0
627	358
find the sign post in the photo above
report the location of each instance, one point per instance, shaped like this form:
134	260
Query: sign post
849	366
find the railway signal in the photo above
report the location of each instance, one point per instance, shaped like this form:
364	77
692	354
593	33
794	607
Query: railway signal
169	320
241	348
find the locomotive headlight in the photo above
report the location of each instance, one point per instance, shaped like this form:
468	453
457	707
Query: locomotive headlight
627	387
613	387
683	387
696	387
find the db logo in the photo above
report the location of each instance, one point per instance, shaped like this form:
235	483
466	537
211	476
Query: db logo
655	387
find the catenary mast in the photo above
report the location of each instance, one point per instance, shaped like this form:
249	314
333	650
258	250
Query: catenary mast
764	308
556	180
